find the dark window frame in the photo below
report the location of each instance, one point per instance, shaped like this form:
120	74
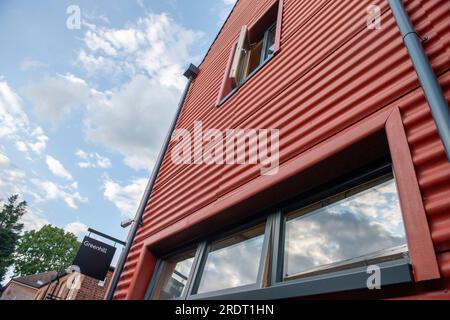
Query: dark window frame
394	271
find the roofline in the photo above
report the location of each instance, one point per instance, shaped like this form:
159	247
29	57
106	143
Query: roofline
31	286
21	283
218	33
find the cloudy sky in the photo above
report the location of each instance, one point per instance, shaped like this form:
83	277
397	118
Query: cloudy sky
83	111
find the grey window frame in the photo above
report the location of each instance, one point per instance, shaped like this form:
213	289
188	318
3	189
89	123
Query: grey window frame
264	53
396	271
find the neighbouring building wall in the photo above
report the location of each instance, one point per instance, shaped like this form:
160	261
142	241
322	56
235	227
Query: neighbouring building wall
65	289
330	74
92	289
17	291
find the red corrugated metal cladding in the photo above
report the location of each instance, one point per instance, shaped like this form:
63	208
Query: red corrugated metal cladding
330	73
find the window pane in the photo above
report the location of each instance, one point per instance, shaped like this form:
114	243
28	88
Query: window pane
172	281
233	261
354	225
254	57
270	46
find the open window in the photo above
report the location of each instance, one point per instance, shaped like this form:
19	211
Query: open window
249	55
256	45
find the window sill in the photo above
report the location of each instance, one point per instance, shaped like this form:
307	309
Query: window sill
232	92
392	272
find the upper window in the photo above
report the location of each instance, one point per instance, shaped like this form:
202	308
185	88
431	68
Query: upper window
256	44
250	55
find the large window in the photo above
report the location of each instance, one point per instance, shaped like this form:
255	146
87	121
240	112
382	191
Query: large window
335	232
348	228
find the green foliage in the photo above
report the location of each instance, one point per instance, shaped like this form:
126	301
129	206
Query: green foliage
10	229
49	249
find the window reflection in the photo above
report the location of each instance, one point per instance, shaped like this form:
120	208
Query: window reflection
355	225
233	261
270	46
174	276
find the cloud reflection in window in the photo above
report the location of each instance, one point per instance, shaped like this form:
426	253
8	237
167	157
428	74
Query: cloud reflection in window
233	262
361	224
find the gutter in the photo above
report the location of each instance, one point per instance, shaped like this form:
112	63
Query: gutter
191	73
430	85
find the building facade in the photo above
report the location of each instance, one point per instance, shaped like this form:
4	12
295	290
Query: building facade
75	286
343	189
26	287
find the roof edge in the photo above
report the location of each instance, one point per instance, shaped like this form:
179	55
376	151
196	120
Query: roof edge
218	33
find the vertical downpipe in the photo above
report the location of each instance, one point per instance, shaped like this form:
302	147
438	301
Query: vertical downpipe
430	85
191	73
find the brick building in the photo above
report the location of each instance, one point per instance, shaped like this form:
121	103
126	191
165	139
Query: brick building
26	287
75	286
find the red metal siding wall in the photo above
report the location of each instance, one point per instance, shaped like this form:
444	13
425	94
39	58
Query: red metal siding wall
331	72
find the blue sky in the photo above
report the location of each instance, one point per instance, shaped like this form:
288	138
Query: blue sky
83	111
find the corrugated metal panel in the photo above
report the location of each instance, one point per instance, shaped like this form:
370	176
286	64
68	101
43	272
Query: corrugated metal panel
331	72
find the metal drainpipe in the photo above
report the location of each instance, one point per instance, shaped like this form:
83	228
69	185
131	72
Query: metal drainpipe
430	85
191	74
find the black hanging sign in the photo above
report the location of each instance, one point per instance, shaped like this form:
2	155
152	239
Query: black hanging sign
94	258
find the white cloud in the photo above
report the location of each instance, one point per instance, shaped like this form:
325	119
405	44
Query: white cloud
95	63
95	17
40	143
154	44
92	160
12	117
95	42
53	97
21	146
15	181
49	190
223	9
15	125
77	228
4	160
57	168
133	120
12	179
125	197
31	64
33	221
130	119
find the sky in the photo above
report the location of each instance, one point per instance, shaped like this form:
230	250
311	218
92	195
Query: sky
84	107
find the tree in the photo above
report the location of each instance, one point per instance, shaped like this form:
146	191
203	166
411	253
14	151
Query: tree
10	229
49	249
